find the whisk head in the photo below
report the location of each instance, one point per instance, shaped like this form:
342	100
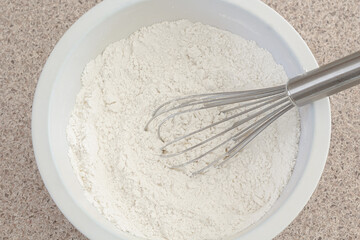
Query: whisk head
241	116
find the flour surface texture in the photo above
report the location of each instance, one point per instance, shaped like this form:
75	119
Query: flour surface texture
117	162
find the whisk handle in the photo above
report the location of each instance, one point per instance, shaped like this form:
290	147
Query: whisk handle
325	81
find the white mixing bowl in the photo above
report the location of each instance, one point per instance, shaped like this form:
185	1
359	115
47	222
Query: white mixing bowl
113	20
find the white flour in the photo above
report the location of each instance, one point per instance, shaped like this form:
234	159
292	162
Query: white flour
115	159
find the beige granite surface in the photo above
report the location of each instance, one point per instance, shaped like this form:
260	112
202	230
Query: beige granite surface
29	29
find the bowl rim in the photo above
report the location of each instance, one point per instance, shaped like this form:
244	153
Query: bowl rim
284	215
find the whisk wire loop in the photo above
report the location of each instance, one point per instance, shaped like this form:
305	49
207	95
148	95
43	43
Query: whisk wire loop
254	110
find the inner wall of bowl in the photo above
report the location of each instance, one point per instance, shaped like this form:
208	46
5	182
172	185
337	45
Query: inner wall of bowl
144	13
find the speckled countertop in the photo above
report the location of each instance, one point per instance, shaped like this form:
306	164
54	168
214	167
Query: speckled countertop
29	29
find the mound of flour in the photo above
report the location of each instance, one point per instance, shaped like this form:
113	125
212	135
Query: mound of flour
116	161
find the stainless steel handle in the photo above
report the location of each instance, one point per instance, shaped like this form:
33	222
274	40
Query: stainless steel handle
325	81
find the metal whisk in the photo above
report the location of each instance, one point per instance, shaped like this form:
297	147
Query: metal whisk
253	110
